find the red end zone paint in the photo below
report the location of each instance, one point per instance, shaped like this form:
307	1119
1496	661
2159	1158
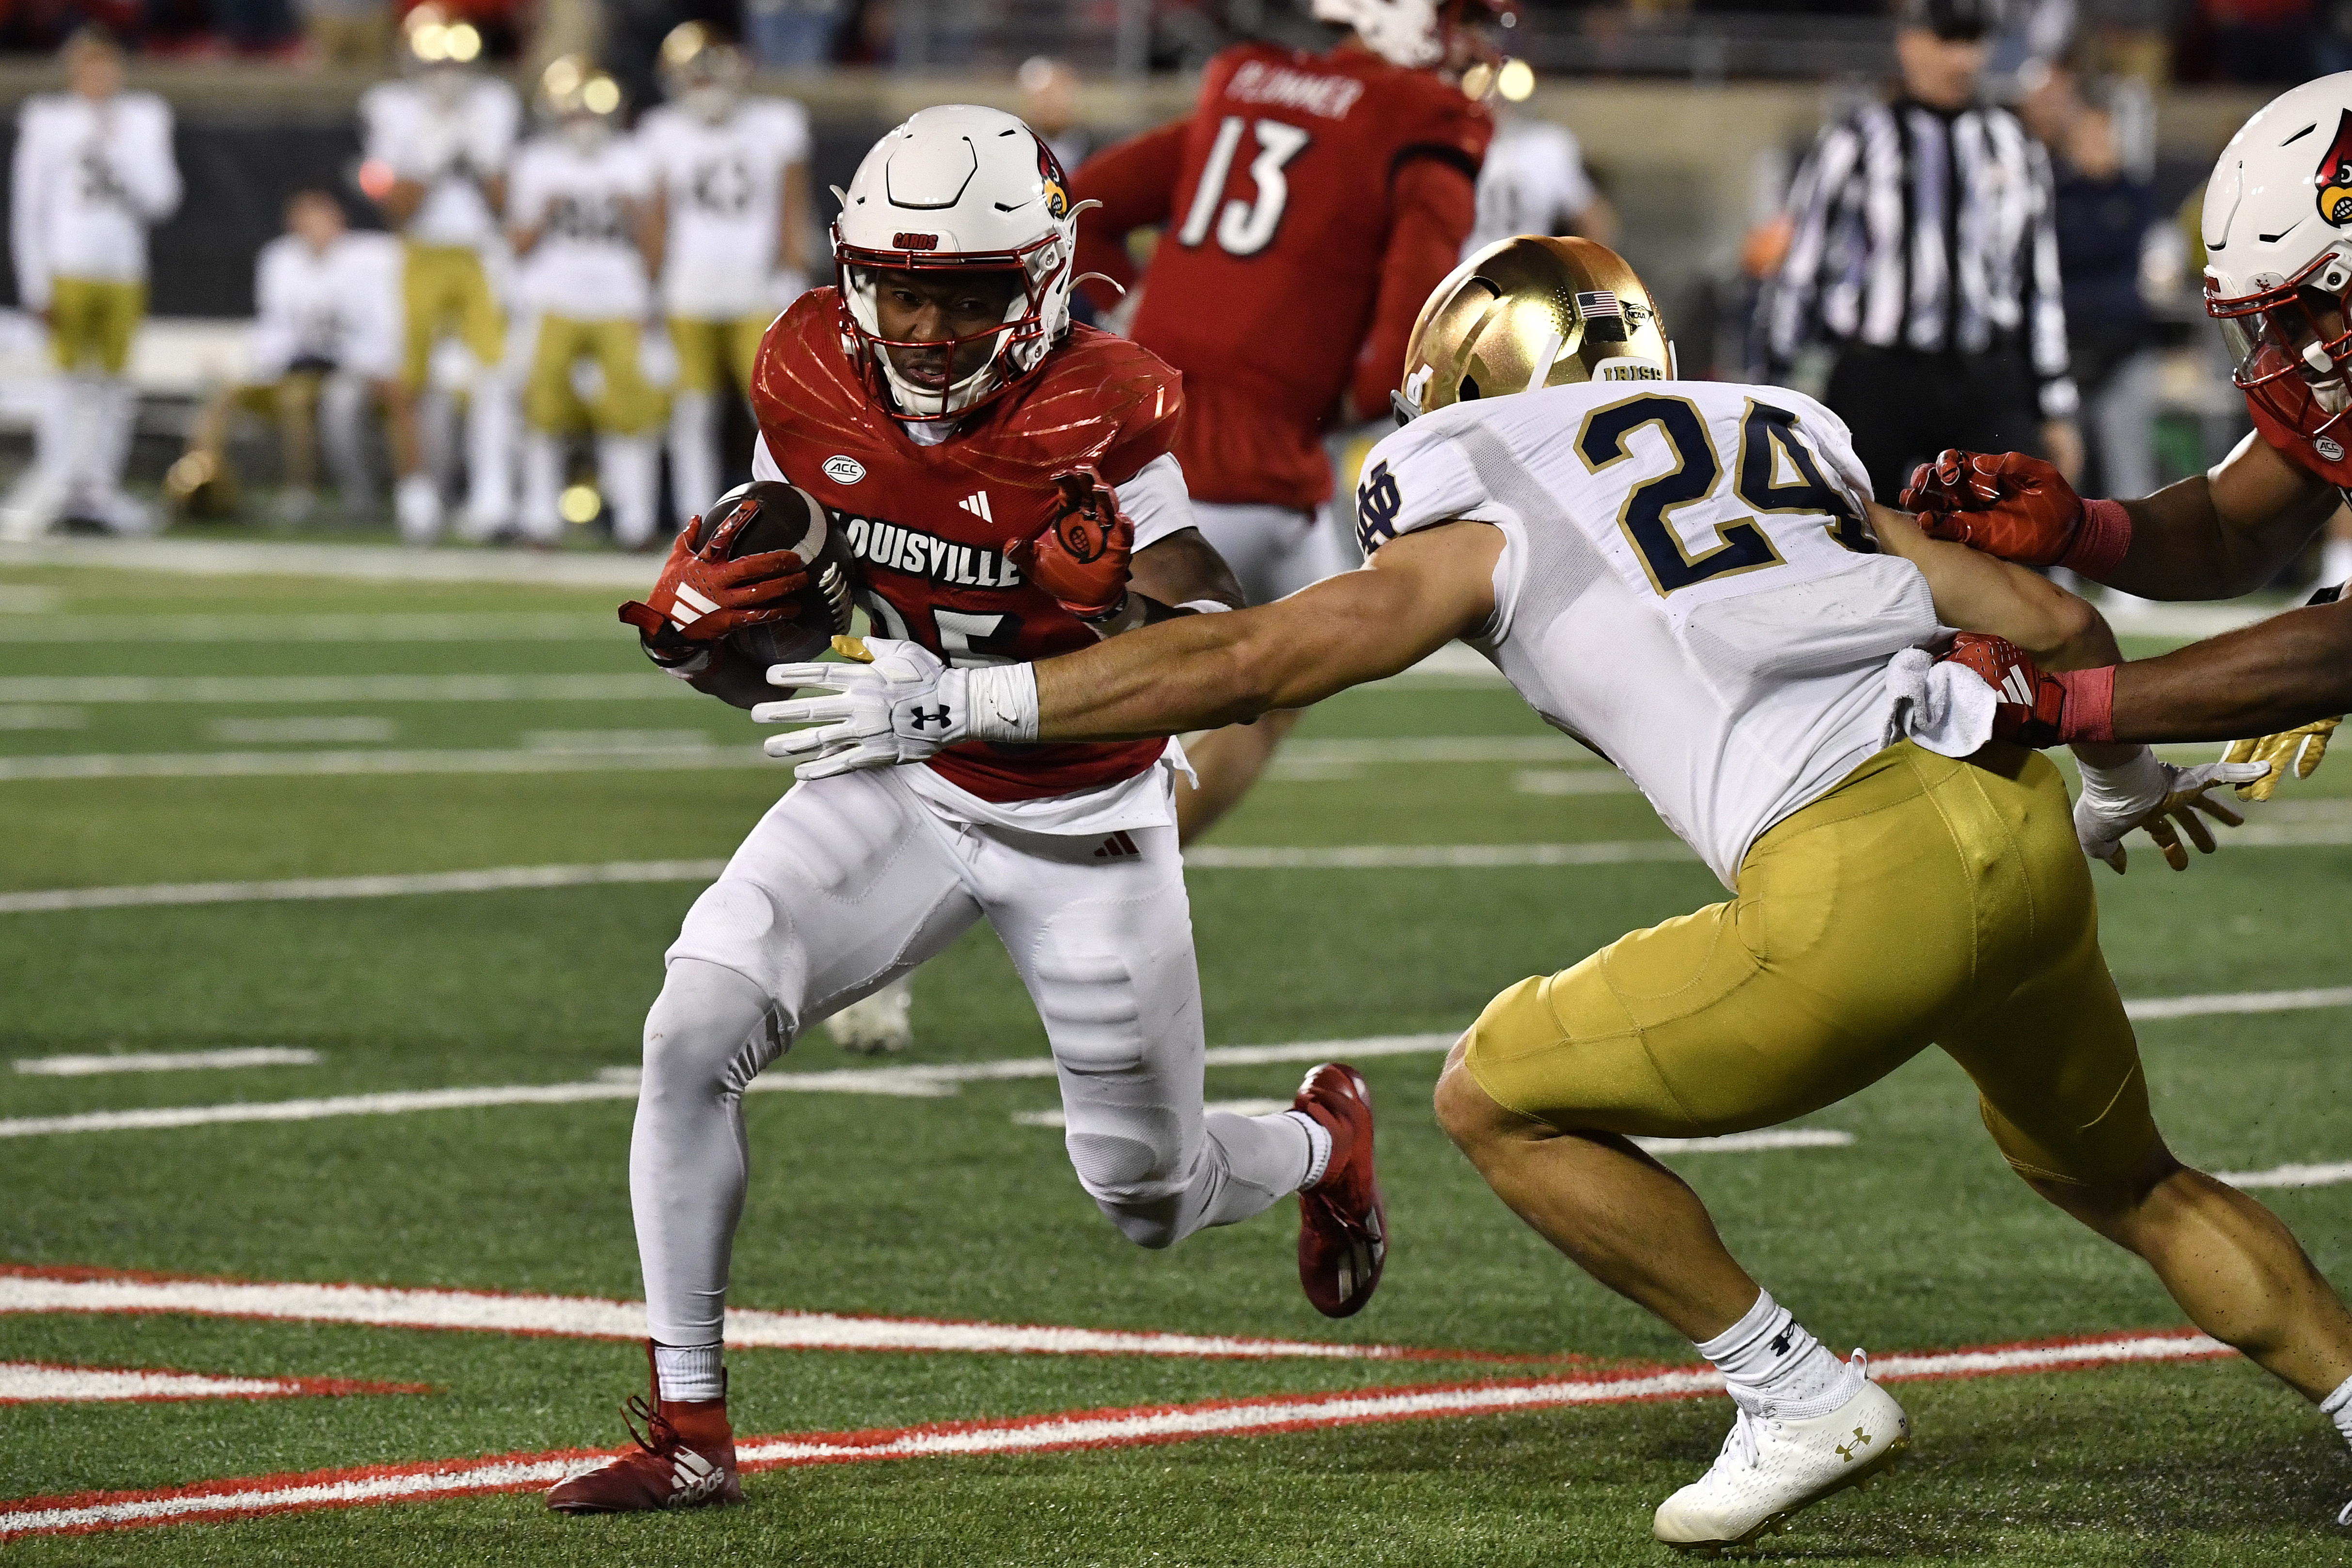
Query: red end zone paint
36	1289
1265	1415
43	1383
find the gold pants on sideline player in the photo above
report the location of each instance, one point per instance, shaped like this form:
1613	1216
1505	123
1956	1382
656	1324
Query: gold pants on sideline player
92	320
712	353
445	291
627	406
1922	900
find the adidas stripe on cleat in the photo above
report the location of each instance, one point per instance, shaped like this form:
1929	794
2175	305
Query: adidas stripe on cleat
685	1457
1343	1239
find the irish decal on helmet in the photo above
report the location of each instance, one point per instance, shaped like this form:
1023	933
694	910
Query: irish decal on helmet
2335	176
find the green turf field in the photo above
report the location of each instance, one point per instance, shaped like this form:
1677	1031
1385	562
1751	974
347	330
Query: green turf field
1912	1237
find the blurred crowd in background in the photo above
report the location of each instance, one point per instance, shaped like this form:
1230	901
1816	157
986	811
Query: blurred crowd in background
2256	41
438	383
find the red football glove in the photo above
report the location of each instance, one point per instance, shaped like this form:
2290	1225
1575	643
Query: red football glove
2033	705
1082	556
2006	504
702	595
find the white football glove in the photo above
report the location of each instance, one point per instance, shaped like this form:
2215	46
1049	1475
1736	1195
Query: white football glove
2154	795
903	706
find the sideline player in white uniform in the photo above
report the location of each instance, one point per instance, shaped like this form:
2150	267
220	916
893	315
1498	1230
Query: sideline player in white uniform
583	222
436	150
734	204
1013	494
93	169
1534	182
325	344
1681	576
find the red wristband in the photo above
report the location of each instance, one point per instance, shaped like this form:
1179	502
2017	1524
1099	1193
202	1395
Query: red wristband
2090	711
2101	540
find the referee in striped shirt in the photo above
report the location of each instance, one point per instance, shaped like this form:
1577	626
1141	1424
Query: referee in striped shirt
1922	250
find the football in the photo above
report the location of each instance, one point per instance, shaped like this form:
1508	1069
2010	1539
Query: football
786	517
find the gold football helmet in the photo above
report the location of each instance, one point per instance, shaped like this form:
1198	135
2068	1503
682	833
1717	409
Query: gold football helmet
1532	313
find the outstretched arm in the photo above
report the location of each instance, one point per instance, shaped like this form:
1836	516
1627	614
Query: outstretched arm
2218	534
1202	672
2268	678
1980	592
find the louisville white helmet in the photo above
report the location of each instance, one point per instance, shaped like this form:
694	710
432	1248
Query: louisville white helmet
2278	244
1416	34
957	187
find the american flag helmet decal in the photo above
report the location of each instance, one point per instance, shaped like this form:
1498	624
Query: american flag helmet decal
1598	302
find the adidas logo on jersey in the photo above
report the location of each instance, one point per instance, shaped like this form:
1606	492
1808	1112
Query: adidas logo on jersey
919	554
1117	846
976	503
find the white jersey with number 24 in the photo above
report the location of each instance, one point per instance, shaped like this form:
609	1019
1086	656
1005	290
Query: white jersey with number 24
1687	586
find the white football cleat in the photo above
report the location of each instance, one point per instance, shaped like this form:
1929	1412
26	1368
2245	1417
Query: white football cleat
1771	1468
876	1024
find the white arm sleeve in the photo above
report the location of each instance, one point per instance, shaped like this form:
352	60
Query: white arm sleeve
145	165
1156	501
764	462
27	172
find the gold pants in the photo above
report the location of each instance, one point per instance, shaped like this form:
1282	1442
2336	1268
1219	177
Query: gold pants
93	319
445	292
628	405
705	350
1923	901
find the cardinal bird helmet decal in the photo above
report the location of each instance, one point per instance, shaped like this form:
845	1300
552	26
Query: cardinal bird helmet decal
2335	176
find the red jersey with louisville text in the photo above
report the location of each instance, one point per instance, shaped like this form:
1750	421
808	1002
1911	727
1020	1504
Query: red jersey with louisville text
1277	201
929	524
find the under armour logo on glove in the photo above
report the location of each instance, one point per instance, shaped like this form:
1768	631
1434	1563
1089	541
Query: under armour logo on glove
899	705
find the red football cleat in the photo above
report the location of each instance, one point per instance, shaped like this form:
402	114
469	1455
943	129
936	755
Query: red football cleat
1343	1234
684	1458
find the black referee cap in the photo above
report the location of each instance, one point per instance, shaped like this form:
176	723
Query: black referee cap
1959	20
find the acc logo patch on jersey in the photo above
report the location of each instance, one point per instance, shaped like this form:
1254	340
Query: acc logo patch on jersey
843	469
1378	504
2334	176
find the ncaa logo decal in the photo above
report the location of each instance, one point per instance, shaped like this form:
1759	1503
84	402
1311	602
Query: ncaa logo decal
1377	503
2334	176
843	470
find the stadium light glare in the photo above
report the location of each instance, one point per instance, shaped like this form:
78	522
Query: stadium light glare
579	504
600	96
464	44
1515	81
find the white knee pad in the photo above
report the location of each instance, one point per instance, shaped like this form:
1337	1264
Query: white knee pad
708	1034
1134	1181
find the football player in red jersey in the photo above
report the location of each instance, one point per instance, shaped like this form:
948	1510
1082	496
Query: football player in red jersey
2277	228
1311	203
1004	479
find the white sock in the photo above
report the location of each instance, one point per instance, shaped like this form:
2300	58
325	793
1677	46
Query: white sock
1773	1367
1318	1148
690	1372
2335	562
2337	1407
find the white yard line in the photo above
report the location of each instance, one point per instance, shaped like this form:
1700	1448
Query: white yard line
2290	1176
314	689
372	564
590	1316
2148	1008
33	1382
616	757
491	879
167	1061
1751	1142
1430	856
1055	1432
487	626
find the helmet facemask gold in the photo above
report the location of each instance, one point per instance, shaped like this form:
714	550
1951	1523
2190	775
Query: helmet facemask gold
1528	314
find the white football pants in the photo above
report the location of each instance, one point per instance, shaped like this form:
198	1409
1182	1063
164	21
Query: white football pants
693	454
849	882
1274	551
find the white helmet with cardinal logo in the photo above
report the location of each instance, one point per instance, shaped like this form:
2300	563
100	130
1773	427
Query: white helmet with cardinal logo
959	187
2278	242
